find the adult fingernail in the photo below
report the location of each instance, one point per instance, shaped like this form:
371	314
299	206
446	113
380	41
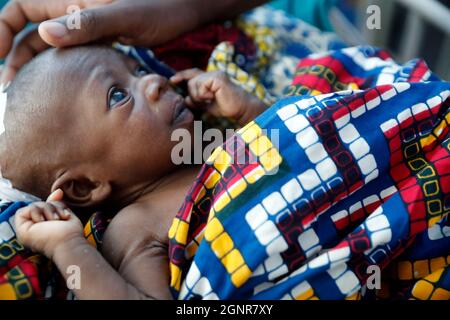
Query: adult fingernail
66	212
55	216
55	29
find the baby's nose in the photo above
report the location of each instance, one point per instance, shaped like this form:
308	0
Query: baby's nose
154	86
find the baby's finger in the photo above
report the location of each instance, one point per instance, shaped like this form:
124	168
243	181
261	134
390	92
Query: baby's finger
22	218
189	102
36	214
58	204
193	90
50	212
204	91
64	213
23	214
56	195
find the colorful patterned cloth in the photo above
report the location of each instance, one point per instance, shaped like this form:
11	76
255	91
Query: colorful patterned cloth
419	272
19	276
303	201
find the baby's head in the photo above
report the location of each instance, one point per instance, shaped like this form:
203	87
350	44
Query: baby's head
88	120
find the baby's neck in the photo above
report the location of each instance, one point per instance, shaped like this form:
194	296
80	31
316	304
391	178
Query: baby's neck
178	180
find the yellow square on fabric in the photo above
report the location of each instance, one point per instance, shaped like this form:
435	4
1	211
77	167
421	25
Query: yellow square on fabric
447	117
220	55
440	294
222	161
237	188
435	276
222	245
173	228
182	232
440	128
91	240
260	145
421	269
305	295
424	142
213	229
252	132
433	221
200	195
233	260
437	263
270	159
422	290
241	76
212	180
191	249
220	203
214	155
353	86
405	270
7	292
255	175
244	128
175	276
240	276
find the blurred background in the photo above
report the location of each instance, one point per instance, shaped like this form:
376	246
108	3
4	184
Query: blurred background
408	28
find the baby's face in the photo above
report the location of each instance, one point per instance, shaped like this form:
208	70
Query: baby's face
124	116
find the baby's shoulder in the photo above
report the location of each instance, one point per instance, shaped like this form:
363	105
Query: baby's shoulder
133	219
131	229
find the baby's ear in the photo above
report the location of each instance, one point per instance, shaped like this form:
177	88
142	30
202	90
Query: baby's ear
81	191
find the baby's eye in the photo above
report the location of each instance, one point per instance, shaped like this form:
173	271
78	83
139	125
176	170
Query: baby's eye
117	97
141	71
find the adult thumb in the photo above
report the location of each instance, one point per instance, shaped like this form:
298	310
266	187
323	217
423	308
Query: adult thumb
83	26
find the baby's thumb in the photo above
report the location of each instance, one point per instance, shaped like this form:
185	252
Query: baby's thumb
56	195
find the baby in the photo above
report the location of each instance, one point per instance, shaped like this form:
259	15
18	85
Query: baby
89	127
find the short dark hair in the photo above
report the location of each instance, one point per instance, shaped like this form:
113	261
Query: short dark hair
28	100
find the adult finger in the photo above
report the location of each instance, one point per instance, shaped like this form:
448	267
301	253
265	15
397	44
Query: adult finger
92	24
18	13
24	49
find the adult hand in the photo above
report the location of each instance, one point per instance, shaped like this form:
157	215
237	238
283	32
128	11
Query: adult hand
134	22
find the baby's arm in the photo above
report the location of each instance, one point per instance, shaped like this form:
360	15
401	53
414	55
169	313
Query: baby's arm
60	238
221	97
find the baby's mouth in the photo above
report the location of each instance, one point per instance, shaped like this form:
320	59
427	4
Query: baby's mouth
180	111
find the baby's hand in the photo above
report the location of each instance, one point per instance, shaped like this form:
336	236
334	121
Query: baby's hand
221	97
42	226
